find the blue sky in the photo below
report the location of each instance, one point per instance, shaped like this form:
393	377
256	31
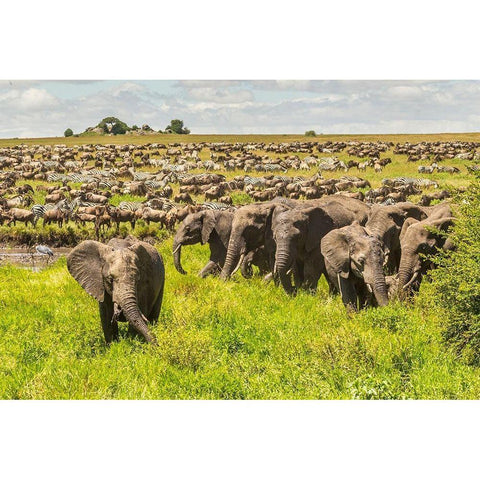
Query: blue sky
46	108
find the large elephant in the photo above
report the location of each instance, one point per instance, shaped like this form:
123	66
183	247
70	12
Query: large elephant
126	277
354	263
421	239
297	234
251	229
386	221
212	226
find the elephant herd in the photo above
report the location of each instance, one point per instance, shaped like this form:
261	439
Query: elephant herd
368	254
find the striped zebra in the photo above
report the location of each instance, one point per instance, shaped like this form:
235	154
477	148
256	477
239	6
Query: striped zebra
154	184
253	180
273	167
215	206
38	212
139	176
132	206
98	173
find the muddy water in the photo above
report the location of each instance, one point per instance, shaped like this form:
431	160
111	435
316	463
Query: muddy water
29	258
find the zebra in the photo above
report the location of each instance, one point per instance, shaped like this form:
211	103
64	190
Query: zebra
132	206
215	206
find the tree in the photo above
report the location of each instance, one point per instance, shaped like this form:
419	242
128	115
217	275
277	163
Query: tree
310	133
176	126
113	125
68	132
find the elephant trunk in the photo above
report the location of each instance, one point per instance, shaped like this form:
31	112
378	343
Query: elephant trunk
406	269
283	261
177	253
232	258
135	317
380	290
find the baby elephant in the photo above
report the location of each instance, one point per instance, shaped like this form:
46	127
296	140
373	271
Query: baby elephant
126	277
354	263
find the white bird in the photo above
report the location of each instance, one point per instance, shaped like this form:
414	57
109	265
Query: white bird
44	250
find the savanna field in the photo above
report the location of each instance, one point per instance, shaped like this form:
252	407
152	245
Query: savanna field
244	338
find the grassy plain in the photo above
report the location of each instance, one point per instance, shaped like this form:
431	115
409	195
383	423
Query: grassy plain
233	340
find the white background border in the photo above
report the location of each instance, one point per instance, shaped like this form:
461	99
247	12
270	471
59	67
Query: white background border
247	40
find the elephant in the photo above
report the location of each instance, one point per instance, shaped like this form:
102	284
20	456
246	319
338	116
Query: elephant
126	277
212	226
418	239
251	229
297	234
354	264
386	221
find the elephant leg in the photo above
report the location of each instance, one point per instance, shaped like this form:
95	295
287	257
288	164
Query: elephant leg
312	275
348	293
109	325
365	298
154	314
298	274
208	269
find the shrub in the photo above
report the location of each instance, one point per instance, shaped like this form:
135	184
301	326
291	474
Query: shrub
176	126
456	283
310	133
68	132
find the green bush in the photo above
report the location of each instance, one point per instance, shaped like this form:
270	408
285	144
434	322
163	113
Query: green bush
68	132
176	126
456	283
310	133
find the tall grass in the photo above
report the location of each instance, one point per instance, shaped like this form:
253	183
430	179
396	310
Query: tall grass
239	339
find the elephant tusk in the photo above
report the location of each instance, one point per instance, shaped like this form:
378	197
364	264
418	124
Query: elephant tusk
339	285
177	249
415	275
242	256
289	272
369	288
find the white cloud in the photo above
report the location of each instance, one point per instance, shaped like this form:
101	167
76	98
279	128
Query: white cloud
28	109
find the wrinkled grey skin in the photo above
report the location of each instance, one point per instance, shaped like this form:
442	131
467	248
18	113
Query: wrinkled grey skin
354	263
386	223
209	226
417	240
214	227
297	234
251	229
126	277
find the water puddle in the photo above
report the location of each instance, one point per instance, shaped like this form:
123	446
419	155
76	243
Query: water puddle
29	258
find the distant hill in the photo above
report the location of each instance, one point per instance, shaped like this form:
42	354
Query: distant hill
115	126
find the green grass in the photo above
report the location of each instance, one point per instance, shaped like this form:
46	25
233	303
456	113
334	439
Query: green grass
240	339
234	340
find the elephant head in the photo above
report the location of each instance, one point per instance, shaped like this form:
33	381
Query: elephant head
297	233
420	239
353	257
251	228
195	228
125	277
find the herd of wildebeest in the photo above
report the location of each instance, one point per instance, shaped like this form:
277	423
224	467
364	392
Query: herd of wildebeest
371	244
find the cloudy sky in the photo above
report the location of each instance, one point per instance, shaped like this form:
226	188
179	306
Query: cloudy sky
47	108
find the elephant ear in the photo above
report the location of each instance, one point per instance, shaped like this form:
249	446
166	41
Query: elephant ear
146	258
318	224
408	222
85	263
440	224
335	249
208	225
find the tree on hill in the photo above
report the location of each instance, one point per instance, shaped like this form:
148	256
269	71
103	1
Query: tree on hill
68	132
176	126
113	125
